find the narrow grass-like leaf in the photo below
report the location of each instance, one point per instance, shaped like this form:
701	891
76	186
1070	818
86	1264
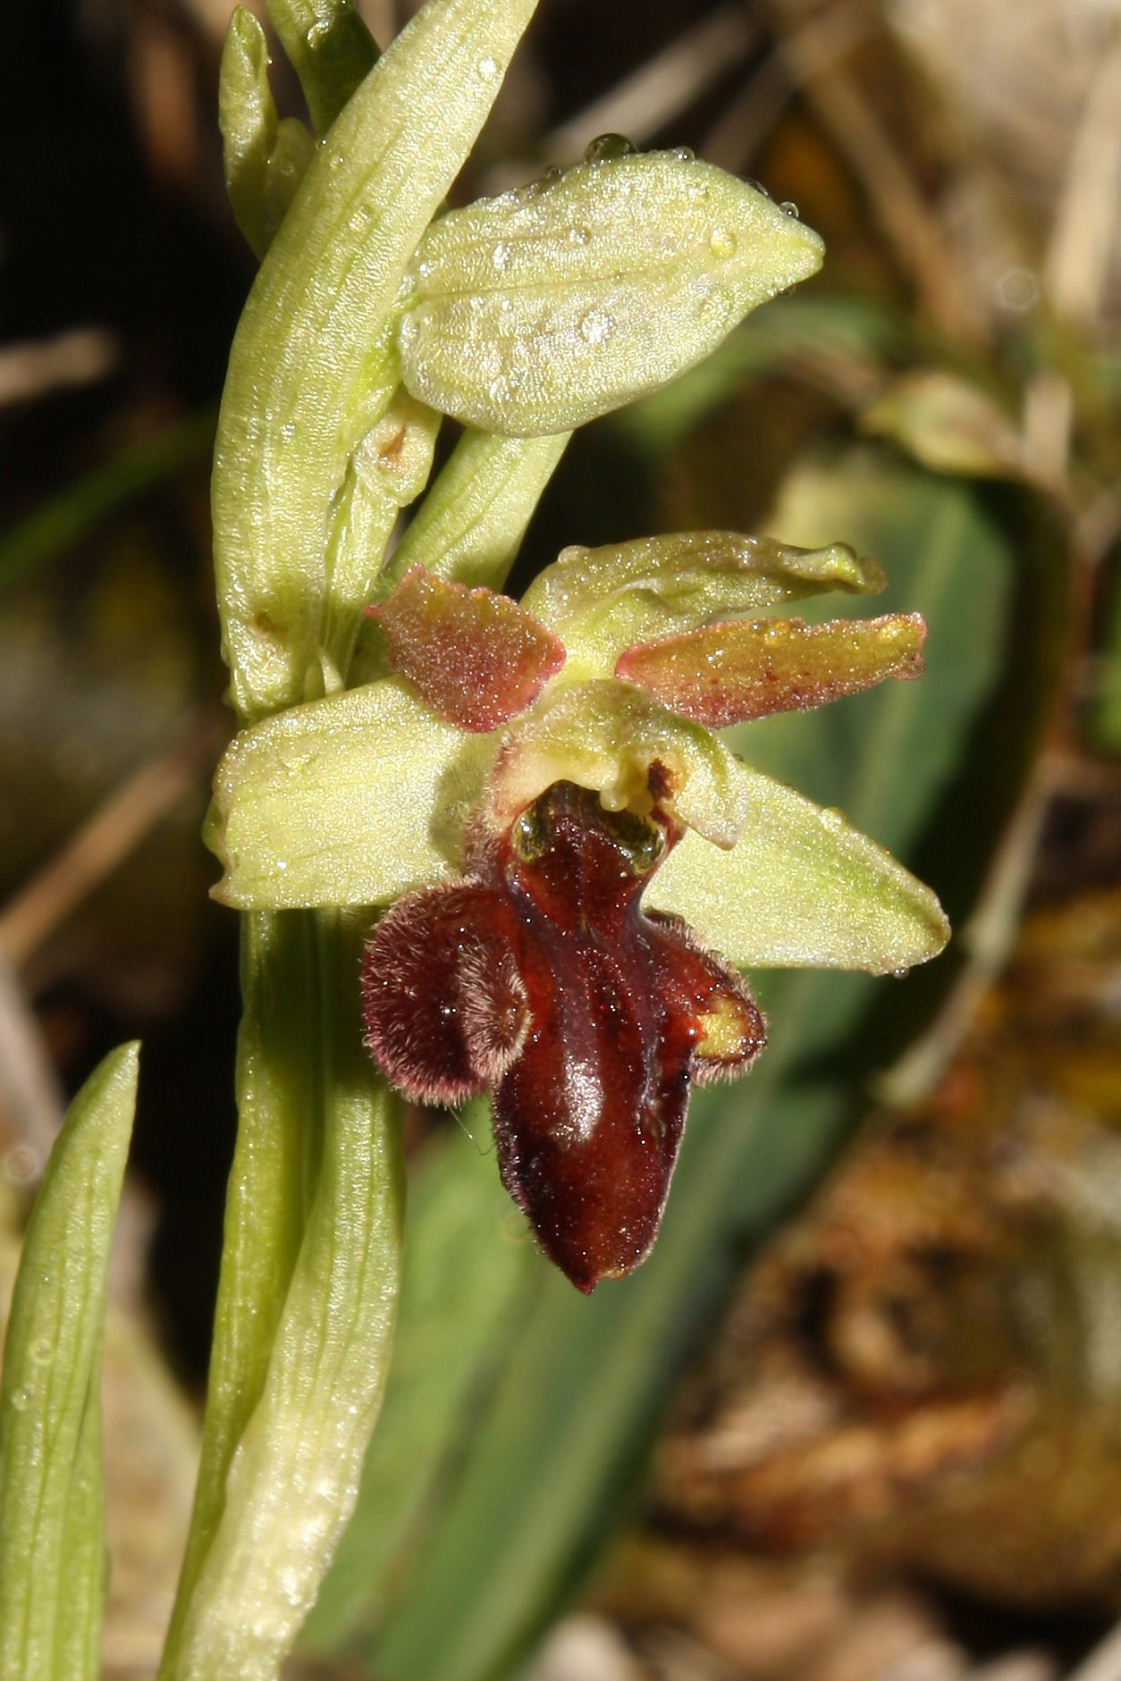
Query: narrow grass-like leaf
311	370
52	1574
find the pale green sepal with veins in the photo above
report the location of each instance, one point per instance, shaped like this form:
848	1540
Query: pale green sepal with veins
352	800
536	311
601	601
801	887
356	799
312	368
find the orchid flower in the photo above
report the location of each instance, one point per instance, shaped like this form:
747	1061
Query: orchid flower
576	861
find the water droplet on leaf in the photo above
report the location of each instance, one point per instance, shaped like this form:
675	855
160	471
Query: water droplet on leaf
789	208
596	327
607	146
487	69
722	242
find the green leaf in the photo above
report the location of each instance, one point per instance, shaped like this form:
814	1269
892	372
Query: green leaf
467	1256
602	601
801	887
311	370
538	310
331	803
306	1310
330	49
52	1586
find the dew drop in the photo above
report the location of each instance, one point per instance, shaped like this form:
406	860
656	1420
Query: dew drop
605	147
900	974
41	1352
683	154
789	208
596	327
501	255
318	33
758	187
550	176
487	69
20	1398
579	236
722	242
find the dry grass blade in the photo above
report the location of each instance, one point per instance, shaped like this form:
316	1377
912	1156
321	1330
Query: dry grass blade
114	830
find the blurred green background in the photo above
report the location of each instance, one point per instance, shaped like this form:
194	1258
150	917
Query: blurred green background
856	1417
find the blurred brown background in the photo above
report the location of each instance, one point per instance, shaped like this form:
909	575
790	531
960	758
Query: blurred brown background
840	1494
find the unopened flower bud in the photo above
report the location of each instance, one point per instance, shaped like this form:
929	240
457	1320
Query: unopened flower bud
534	312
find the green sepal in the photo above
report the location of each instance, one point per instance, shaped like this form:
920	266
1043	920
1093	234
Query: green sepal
312	368
52	1584
536	311
801	888
609	736
602	601
333	803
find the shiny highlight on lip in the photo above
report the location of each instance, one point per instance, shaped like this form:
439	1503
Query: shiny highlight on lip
542	977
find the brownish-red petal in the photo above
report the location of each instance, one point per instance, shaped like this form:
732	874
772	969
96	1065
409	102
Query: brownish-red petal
476	657
728	673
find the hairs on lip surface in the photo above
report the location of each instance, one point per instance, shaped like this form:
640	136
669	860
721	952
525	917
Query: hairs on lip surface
493	1008
444	1004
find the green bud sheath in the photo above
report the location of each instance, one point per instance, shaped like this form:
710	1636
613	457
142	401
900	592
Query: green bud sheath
538	310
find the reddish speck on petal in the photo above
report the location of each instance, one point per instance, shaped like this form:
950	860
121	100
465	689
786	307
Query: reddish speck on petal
730	672
476	657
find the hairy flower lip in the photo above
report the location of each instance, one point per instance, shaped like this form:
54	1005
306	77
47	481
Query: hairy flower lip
541	976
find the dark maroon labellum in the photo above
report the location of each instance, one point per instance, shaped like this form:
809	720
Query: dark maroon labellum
542	976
